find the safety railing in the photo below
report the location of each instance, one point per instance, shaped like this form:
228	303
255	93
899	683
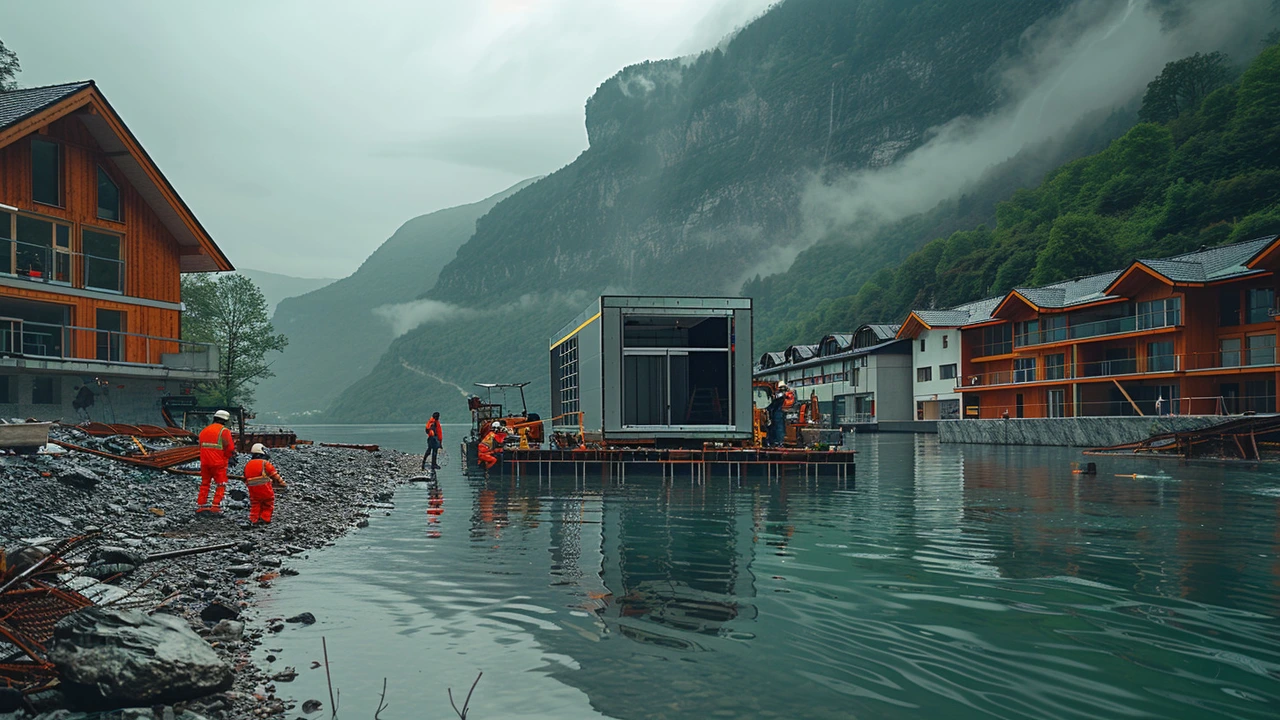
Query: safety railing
57	266
24	338
1260	357
1147	406
856	418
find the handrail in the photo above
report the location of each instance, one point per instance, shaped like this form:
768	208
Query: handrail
14	333
1243	358
47	272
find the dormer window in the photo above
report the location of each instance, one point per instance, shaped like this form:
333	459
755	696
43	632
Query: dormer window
108	197
46	172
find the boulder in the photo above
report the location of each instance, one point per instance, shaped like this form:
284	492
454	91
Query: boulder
305	618
123	658
79	477
215	611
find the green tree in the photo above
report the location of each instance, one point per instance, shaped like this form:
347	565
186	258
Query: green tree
1078	245
1183	84
9	68
231	313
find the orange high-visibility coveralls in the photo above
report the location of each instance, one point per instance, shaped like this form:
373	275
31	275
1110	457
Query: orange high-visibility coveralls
788	399
486	451
260	477
216	450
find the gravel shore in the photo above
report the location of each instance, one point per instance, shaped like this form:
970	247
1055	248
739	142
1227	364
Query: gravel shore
147	511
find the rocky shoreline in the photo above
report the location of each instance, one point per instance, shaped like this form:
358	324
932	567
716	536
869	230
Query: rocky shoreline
139	511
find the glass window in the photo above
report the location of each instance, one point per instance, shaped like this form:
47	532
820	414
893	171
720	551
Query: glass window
1229	350
947	372
675	331
1260	396
1166	312
1024	370
46	172
44	391
1055	366
924	374
110	335
103	266
1262	349
1229	307
997	340
944	342
1261	300
8	391
921	344
34	252
1027	333
1160	357
108	197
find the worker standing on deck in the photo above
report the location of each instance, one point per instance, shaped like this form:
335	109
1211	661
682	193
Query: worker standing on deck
261	477
783	401
217	448
490	445
435	441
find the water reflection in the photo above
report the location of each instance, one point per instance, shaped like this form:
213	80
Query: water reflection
947	581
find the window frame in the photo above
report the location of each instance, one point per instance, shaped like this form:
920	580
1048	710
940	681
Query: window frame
85	257
55	251
101	170
924	374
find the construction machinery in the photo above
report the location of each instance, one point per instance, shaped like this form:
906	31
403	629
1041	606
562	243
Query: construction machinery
485	412
804	420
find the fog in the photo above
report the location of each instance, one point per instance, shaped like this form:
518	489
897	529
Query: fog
1098	55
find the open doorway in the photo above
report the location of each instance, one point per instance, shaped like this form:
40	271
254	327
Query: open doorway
676	371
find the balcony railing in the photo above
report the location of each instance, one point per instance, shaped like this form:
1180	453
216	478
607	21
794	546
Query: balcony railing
22	338
1101	328
56	266
1243	358
855	418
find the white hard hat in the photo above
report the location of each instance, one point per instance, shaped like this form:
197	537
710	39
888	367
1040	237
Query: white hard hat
257	449
496	425
782	386
222	415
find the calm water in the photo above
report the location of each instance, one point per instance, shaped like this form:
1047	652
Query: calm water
947	581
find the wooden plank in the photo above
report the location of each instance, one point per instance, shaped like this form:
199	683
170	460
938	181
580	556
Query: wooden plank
1126	397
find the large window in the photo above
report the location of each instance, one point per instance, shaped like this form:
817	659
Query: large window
103	262
46	172
1229	352
1024	370
110	335
1262	349
997	340
1261	300
1160	357
1229	307
924	374
677	370
947	372
44	391
108	197
568	375
1055	367
35	248
1160	313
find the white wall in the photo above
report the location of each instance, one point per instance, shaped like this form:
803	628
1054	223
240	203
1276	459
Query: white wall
935	356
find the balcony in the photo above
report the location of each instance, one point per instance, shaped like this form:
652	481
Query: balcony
1261	357
1154	320
58	266
45	341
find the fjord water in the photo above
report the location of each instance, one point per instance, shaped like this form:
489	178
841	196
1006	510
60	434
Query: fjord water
944	581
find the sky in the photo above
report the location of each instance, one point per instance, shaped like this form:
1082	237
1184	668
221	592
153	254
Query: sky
304	132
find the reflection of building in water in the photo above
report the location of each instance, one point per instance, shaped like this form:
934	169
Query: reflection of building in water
947	545
678	560
577	556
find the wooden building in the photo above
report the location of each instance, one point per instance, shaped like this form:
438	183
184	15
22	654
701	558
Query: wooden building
93	242
1192	334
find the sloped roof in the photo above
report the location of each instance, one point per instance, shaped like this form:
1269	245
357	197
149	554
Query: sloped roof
974	312
883	332
26	110
18	105
1219	263
802	352
1067	293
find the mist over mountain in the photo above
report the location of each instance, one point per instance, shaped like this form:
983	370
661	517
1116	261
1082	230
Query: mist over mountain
336	334
868	126
276	287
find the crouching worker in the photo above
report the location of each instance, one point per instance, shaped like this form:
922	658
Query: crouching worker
261	478
490	445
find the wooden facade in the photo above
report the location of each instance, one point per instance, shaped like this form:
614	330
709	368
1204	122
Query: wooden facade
146	305
1149	344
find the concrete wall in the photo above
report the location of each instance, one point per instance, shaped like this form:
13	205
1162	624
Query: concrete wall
1086	432
891	377
131	400
935	356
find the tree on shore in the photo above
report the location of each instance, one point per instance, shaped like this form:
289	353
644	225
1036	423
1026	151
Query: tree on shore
9	68
231	313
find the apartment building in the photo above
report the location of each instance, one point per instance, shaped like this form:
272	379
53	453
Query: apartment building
935	354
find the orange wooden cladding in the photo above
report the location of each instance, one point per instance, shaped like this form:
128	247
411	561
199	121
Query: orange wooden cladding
151	254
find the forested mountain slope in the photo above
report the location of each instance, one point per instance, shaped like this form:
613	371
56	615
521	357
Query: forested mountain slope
335	337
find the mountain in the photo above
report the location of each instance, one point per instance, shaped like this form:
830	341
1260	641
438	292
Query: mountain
335	336
276	287
694	175
1209	176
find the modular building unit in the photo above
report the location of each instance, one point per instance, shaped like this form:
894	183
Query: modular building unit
674	370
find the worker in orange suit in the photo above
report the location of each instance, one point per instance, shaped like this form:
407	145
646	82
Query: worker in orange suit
490	445
217	448
261	477
435	441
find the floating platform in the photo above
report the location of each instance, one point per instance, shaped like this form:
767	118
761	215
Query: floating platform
733	462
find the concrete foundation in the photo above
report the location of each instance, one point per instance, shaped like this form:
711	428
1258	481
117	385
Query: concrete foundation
1087	432
52	390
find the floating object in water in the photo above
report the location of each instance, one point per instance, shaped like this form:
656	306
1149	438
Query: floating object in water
423	478
1088	469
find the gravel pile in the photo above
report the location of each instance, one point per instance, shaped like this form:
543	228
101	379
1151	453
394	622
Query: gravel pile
141	511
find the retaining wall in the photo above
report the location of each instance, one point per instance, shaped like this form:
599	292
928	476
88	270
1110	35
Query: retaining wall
1089	432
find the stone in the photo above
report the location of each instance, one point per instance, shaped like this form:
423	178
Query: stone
311	706
305	618
271	561
79	477
237	494
241	570
227	630
120	658
217	611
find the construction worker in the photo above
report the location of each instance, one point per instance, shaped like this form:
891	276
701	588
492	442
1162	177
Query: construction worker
217	448
435	441
261	478
784	400
490	445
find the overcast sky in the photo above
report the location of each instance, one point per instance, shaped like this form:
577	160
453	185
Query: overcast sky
303	133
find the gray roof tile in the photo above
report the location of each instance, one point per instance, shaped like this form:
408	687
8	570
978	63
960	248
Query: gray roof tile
17	105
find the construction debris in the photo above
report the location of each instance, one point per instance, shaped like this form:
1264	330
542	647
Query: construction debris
1254	438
